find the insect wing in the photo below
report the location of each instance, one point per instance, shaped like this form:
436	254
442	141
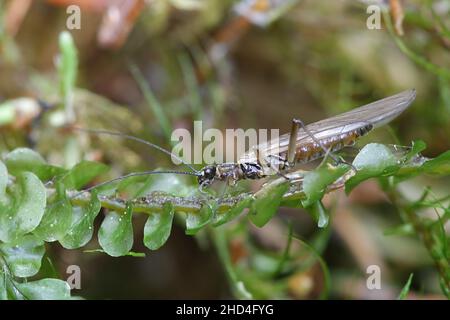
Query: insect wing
376	114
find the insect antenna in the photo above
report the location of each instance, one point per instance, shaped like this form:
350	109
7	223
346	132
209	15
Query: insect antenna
133	174
129	175
130	137
193	171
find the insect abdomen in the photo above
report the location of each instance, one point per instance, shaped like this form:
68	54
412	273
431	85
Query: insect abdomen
312	151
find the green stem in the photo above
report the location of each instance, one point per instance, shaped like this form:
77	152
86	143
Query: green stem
152	101
441	262
221	244
8	273
443	30
421	61
154	202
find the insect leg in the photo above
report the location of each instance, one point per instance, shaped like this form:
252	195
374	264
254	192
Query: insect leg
201	188
293	141
224	192
317	141
283	176
278	157
277	170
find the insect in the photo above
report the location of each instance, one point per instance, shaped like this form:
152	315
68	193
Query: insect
303	144
307	143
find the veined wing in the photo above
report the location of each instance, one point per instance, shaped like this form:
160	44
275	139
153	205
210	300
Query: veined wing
376	114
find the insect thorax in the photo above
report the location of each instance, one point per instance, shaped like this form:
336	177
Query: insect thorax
234	172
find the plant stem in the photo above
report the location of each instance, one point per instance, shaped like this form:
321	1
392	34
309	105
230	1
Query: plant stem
154	201
441	262
421	61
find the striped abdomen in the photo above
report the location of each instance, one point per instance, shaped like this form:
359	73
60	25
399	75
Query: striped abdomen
312	150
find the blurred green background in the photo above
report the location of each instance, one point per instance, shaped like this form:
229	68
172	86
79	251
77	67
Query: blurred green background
146	67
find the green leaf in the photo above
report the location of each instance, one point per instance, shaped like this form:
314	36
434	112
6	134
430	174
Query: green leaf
82	173
196	221
82	226
315	182
174	184
26	208
417	147
3	285
48	269
129	253
7	290
7	112
320	214
23	159
266	203
372	161
45	289
440	249
3	181
404	293
158	226
24	257
67	64
222	218
57	217
116	233
439	165
406	229
136	254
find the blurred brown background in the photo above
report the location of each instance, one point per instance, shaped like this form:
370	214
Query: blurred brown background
202	60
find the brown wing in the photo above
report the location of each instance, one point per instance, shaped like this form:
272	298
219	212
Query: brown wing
376	113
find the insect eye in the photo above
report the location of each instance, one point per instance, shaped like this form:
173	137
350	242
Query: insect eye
210	172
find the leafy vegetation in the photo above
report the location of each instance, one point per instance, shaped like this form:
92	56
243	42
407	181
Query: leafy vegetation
30	218
265	245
